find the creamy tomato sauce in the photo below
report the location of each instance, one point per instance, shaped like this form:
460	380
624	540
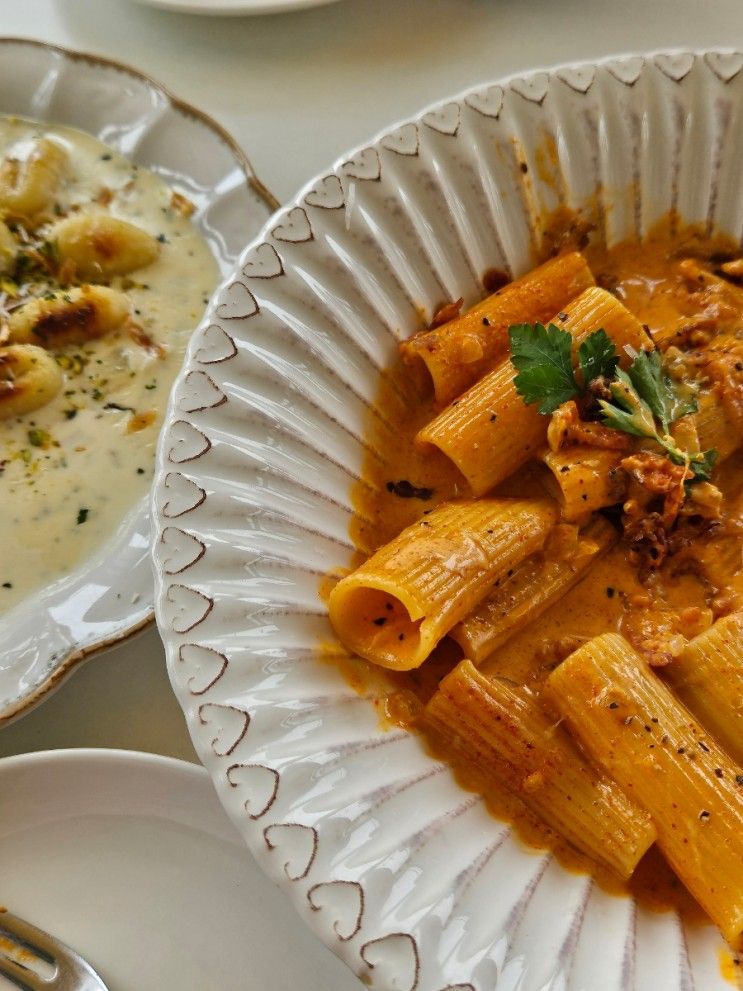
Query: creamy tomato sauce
70	471
678	600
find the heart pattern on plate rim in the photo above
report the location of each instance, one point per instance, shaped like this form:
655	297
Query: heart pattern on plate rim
227	723
263	262
294	228
295	842
238	303
215	346
202	667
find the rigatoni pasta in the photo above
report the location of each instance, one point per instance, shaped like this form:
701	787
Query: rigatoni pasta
707	676
396	607
501	730
601	618
488	432
586	479
534	586
630	724
460	351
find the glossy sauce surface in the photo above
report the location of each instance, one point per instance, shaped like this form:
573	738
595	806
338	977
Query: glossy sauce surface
71	471
676	601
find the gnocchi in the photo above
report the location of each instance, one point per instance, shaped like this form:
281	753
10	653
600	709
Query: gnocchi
88	345
72	316
29	379
27	188
100	246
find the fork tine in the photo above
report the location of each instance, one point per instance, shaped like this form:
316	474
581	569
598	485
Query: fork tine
23	978
36	939
70	970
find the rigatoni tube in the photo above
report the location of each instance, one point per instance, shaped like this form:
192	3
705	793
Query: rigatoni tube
489	432
714	428
708	678
631	724
459	352
534	586
396	607
501	730
586	479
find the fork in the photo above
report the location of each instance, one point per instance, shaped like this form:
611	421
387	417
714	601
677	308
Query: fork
35	961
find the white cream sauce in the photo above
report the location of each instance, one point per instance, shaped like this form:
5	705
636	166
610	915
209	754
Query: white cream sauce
64	496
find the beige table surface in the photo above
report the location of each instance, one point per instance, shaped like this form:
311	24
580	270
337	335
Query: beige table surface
296	90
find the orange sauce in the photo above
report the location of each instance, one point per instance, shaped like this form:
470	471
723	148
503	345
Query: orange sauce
647	279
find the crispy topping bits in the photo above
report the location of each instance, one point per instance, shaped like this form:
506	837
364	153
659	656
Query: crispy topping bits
445	313
406	490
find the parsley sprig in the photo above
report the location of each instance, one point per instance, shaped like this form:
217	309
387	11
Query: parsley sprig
645	401
543	358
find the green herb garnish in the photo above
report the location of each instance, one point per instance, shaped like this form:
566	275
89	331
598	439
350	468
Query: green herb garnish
645	401
543	358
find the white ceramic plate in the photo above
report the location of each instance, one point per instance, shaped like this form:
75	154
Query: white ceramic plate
234	7
400	871
130	859
110	595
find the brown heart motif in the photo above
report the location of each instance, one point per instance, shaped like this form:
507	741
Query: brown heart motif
237	303
327	194
294	228
396	960
626	70
228	724
216	345
676	66
403	141
725	65
181	550
186	607
579	78
364	165
532	88
263	262
202	667
201	392
296	843
487	101
444	119
259	783
186	443
183	495
342	902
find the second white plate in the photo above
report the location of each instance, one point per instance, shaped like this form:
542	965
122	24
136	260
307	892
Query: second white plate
130	859
234	7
